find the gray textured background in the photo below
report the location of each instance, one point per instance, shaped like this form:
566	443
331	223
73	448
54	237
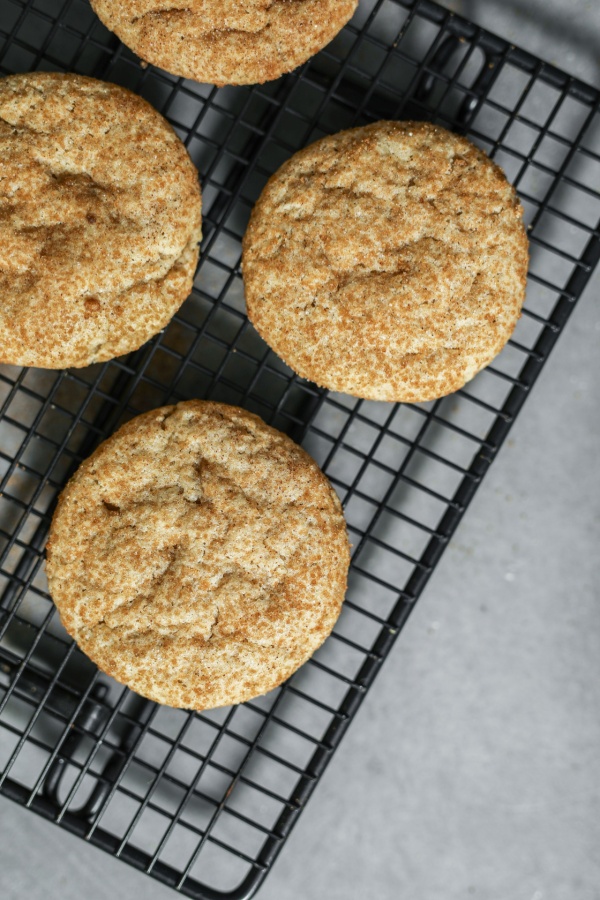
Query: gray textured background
473	769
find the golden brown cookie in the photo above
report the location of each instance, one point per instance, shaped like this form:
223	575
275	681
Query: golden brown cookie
388	262
198	556
99	221
225	41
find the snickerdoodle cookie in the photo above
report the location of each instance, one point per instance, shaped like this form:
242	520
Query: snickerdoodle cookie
198	556
99	221
388	262
225	41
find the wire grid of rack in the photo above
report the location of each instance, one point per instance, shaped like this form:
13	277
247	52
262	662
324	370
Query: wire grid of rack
204	801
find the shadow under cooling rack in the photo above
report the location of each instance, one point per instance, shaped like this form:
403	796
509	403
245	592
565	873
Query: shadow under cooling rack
204	801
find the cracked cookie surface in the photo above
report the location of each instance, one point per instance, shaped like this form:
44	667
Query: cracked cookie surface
198	556
225	41
99	221
388	262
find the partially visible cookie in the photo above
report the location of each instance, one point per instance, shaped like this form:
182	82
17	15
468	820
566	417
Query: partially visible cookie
225	41
198	556
388	262
99	221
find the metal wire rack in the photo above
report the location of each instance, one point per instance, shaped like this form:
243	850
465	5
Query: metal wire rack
204	801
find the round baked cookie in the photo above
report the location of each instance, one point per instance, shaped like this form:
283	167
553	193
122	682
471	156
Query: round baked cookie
388	262
198	556
225	41
99	221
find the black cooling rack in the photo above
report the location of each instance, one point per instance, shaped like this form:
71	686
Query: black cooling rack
204	801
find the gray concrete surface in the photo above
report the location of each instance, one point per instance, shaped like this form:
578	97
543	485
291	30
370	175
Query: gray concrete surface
473	768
